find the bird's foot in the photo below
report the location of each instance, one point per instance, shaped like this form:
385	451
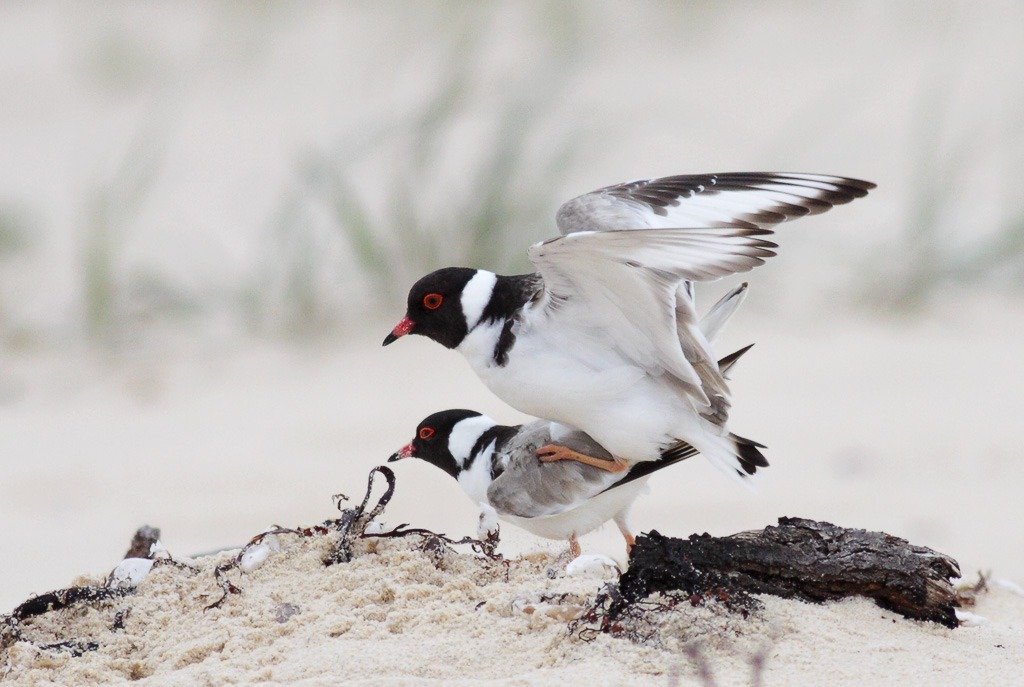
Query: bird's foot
552	452
555	452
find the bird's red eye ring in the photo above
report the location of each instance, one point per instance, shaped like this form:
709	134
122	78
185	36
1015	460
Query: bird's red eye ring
433	301
426	433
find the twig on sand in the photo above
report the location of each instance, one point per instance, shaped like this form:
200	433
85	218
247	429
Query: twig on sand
348	527
486	547
11	630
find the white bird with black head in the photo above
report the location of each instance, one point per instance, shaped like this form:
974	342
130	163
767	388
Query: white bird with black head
604	336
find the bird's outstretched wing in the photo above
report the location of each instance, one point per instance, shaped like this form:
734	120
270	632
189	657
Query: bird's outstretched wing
620	266
620	287
745	200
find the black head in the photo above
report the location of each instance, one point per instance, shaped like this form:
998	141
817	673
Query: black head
431	442
435	308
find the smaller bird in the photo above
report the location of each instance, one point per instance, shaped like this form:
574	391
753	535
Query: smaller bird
572	489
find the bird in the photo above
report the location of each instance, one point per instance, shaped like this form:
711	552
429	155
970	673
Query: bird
603	337
543	476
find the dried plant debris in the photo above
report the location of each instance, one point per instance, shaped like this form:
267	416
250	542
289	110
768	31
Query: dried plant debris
408	602
11	629
967	593
392	606
353	524
436	542
666	616
799	558
145	552
345	529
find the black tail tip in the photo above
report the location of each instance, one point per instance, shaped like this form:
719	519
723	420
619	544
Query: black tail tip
750	456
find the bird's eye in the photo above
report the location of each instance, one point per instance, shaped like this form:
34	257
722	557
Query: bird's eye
426	433
433	301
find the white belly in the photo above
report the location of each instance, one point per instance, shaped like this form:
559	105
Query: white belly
633	415
586	517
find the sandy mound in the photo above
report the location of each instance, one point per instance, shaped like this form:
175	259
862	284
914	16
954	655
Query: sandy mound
401	612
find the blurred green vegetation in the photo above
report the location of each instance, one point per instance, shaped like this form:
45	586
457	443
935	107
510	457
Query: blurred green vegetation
504	199
387	200
507	200
14	230
120	300
940	246
116	297
16	234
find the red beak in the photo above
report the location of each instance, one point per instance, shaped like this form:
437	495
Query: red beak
401	329
404	452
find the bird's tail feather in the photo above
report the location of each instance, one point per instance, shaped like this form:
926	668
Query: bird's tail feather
734	455
750	457
682	450
726	364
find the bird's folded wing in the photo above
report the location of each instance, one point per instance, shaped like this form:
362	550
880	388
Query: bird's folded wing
696	337
696	348
735	199
530	488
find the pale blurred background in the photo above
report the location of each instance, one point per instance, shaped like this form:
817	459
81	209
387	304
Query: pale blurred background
210	213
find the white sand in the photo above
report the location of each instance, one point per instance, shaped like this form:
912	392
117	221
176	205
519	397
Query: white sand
869	424
913	439
394	615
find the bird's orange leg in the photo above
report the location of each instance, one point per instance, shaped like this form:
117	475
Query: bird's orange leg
554	452
626	534
630	541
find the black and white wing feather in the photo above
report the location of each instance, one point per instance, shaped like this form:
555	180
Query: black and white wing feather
737	199
626	252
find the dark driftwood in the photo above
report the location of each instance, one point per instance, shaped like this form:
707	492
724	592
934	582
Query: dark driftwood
802	559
